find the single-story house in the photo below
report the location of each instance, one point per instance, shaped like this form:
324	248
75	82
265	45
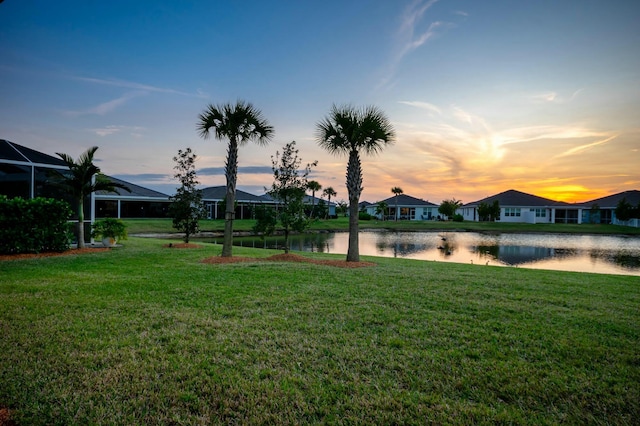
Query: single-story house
516	206
408	208
213	198
602	210
140	202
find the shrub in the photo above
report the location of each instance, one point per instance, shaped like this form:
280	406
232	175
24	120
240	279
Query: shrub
109	228
364	216
458	217
34	226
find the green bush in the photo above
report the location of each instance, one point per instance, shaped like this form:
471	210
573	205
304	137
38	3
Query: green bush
34	226
458	218
109	228
364	216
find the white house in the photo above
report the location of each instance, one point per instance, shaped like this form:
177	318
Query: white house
516	206
409	208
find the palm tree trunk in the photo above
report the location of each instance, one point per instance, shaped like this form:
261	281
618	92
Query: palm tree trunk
231	173
81	223
354	188
396	207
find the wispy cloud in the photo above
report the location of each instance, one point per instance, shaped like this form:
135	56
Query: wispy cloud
422	105
584	147
137	86
410	36
212	171
106	107
554	97
113	129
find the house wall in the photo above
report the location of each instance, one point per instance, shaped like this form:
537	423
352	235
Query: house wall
405	212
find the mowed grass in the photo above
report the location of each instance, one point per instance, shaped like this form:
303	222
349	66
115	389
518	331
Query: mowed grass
144	334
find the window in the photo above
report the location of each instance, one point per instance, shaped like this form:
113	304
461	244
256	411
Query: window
512	211
541	212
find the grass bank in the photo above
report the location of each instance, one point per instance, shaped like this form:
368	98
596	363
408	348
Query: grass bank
146	334
138	226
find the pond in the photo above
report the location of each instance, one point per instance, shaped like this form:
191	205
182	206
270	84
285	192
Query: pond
563	252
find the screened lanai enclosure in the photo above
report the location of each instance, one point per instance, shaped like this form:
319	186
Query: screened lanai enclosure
27	173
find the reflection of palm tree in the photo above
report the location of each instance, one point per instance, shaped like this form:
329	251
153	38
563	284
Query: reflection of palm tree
347	130
81	183
397	191
239	123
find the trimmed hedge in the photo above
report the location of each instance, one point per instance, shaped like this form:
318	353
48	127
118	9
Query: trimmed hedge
34	226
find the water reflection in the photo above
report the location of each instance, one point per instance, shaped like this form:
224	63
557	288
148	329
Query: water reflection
584	253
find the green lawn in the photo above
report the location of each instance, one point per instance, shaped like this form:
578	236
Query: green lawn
137	226
149	335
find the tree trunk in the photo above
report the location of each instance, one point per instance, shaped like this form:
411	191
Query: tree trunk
231	173
353	252
286	241
81	223
354	188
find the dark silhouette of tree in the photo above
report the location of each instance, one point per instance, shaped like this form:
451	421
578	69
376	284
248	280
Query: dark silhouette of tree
313	186
329	192
381	209
83	179
239	123
625	211
348	130
449	207
397	191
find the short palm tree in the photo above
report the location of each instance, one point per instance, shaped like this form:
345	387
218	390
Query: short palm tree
314	186
381	209
348	130
239	123
397	191
80	182
329	192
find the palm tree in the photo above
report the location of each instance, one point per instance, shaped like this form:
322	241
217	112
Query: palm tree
397	191
81	182
329	192
239	123
314	186
381	208
347	130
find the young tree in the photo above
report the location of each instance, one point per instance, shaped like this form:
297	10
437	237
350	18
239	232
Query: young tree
489	212
624	210
186	206
347	130
381	209
314	186
288	189
342	207
449	207
397	191
329	192
83	179
239	123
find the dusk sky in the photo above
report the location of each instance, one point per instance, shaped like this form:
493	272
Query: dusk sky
538	96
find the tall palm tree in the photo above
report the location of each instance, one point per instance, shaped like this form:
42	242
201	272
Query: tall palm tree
348	130
314	186
329	192
80	182
239	123
397	191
